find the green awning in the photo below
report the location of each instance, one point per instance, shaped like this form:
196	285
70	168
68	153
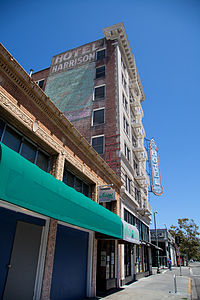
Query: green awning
24	184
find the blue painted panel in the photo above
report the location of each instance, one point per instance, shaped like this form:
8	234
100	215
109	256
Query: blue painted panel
8	221
70	264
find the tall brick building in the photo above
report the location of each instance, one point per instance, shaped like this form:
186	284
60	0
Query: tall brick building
98	88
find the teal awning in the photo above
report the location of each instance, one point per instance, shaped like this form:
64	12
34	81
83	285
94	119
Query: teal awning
24	184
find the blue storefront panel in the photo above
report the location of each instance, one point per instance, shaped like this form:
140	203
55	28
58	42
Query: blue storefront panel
69	278
8	222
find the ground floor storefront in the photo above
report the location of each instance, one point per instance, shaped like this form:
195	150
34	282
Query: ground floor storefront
49	249
57	243
136	261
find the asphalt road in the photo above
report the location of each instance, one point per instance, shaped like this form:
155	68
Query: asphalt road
195	274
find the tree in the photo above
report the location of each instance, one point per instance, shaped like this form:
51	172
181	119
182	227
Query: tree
187	235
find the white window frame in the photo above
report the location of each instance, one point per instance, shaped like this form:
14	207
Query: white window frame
96	136
126	126
98	86
37	82
96	109
98	68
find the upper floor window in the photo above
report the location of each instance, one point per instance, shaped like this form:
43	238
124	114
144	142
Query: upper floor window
98	144
100	72
40	83
123	64
131	97
21	144
101	54
137	195
125	102
75	182
126	152
142	228
134	141
124	82
99	92
128	184
126	125
129	218
136	167
98	116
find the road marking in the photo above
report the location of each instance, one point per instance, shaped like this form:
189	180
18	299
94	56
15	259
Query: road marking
189	286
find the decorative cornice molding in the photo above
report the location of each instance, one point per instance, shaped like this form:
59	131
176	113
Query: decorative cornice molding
117	32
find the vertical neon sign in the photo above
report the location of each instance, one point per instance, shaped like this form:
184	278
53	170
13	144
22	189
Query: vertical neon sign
156	187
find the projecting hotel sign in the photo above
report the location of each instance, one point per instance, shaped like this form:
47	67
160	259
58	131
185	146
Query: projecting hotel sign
76	57
156	186
106	195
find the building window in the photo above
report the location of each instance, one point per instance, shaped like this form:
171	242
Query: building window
136	167
28	151
131	97
20	144
128	184
98	144
2	127
142	228
126	152
98	117
125	102
129	218
123	65
137	195
40	83
126	125
101	54
134	142
124	83
75	182
100	72
99	92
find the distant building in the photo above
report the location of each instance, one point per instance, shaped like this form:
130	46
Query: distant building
167	243
98	88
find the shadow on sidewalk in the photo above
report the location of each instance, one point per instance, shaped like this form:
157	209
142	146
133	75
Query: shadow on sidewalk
101	295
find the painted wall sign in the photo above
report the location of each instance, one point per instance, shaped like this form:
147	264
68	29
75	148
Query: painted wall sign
156	187
130	233
106	195
75	57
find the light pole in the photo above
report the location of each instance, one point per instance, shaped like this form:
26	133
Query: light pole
167	246
157	251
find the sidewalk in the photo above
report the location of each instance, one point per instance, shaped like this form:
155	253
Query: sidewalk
156	287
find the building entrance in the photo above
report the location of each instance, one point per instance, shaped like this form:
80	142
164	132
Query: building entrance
22	267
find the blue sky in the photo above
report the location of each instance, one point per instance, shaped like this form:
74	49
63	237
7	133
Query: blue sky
165	39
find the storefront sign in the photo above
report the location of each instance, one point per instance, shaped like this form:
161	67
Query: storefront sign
75	57
106	195
156	187
130	233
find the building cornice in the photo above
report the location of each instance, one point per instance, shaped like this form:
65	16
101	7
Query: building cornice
117	32
20	77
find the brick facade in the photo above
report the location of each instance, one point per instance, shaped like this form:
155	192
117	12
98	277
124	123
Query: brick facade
22	103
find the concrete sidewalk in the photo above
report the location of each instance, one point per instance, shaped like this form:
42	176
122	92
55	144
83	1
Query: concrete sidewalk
156	287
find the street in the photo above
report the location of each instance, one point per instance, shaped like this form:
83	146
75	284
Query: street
195	275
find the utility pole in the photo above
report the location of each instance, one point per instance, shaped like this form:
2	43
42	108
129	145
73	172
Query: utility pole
157	250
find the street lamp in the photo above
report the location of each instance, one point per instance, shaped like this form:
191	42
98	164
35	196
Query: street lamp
157	250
